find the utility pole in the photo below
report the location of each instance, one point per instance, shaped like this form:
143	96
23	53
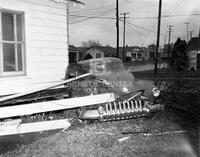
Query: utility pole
158	37
191	33
187	23
117	25
170	30
67	20
124	33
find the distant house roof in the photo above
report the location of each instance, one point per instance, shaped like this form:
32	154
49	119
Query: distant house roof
194	44
66	1
145	49
77	2
130	48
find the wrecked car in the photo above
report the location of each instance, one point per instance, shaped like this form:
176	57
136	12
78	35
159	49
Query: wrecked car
134	98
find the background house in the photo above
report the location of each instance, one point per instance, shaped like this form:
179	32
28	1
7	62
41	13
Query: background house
101	51
33	41
145	54
193	51
137	53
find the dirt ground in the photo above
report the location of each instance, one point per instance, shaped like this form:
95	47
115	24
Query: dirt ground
134	138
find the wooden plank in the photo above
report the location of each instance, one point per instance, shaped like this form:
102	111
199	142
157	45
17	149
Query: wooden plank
17	128
40	107
43	88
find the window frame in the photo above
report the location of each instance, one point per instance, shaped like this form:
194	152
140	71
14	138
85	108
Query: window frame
139	56
98	55
15	42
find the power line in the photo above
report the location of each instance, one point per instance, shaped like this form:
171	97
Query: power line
146	29
100	8
176	15
166	16
109	18
96	11
139	32
88	18
94	17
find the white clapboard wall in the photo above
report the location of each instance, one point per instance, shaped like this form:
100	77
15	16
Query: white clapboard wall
46	48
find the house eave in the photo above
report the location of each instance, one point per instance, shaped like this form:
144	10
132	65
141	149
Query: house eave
66	1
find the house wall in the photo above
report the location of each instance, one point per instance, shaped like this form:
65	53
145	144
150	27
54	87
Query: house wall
93	52
46	48
193	58
129	54
145	56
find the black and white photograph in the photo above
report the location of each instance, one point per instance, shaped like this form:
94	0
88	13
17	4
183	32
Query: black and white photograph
99	78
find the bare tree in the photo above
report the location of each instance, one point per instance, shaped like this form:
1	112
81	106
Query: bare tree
90	43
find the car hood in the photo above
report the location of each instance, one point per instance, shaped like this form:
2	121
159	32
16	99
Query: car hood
124	82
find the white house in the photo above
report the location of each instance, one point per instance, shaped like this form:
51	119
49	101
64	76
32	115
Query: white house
33	44
95	52
193	51
137	54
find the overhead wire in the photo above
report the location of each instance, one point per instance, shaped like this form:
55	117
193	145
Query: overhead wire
142	34
166	16
98	8
104	11
92	17
146	13
87	18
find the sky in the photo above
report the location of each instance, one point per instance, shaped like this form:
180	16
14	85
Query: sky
96	20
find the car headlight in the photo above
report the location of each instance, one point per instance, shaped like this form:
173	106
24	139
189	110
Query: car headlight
155	92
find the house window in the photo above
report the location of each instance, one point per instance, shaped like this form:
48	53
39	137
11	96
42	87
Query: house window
11	43
134	55
139	56
98	55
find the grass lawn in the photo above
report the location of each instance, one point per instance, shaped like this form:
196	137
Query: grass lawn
138	63
164	74
119	138
144	74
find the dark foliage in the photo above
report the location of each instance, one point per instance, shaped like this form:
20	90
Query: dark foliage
179	60
128	59
182	95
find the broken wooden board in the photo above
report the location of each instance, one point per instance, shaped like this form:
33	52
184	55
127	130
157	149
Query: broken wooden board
54	85
9	128
40	107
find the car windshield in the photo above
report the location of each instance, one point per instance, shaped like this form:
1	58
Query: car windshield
116	66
